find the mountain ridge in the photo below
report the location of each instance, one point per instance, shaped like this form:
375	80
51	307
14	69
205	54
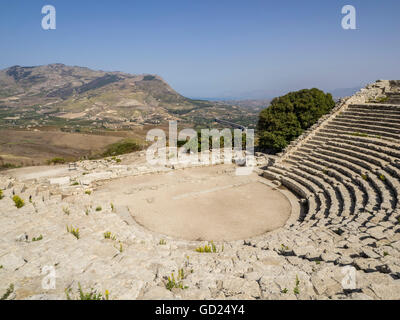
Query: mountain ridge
113	98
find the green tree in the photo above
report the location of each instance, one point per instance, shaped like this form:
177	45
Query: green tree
288	116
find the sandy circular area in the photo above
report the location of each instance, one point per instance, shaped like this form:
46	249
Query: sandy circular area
209	203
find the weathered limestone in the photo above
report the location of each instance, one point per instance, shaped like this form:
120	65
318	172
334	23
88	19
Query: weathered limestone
347	184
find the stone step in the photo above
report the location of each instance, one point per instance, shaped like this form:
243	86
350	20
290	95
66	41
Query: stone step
358	195
344	198
368	121
357	165
354	132
372	127
389	147
334	205
377	151
371	200
377	107
388	181
319	193
370	115
297	188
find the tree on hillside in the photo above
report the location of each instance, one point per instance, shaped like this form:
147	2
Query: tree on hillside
288	116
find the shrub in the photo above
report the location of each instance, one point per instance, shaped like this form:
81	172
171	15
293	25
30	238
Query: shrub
382	99
382	177
9	166
122	147
19	203
288	116
56	161
37	239
98	209
1	194
88	192
162	242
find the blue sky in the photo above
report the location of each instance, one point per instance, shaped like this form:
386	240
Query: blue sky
217	48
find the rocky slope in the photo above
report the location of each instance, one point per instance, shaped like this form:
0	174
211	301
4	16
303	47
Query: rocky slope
30	95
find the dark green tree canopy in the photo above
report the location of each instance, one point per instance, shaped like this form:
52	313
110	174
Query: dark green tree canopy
288	116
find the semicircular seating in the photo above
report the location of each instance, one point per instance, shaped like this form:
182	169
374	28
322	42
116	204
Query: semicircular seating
348	169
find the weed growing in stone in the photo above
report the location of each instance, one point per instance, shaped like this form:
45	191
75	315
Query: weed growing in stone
283	248
296	289
73	231
178	283
66	211
19	203
210	248
162	242
359	134
91	295
9	291
109	235
1	194
37	239
99	208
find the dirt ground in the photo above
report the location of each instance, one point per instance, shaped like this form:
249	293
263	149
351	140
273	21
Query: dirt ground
24	148
200	203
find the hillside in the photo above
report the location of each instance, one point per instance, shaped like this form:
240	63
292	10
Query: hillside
77	98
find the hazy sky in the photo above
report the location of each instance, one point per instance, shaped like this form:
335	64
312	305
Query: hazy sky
213	48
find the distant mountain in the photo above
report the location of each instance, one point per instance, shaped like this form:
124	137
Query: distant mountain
57	94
